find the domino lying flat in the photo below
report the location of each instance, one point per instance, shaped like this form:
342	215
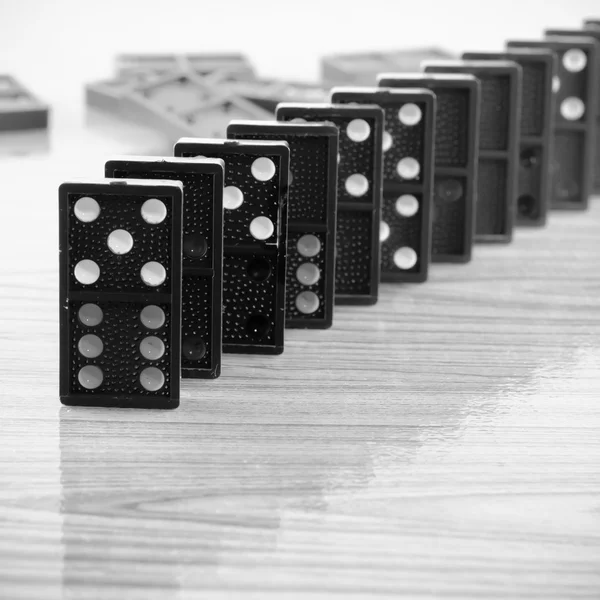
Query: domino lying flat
311	215
499	117
358	194
362	68
19	109
255	237
185	104
202	64
120	293
268	94
408	142
202	287
537	107
456	158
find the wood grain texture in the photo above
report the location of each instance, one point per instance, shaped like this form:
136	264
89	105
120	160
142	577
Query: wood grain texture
444	443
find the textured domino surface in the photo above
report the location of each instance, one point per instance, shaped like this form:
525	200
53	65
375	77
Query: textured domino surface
359	188
202	285
408	141
255	237
120	293
311	215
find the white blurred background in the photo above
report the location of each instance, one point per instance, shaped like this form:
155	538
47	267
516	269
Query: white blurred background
54	45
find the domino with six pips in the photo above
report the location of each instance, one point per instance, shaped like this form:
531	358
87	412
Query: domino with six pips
536	129
574	120
408	141
359	189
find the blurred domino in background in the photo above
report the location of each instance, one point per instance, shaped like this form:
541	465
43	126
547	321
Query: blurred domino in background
20	110
535	141
203	64
595	34
574	119
362	68
184	105
255	238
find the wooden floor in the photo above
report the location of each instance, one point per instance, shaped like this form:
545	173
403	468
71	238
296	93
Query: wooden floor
444	443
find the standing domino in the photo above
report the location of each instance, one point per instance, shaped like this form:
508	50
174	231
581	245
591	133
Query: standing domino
574	119
255	237
456	158
120	293
358	194
408	143
311	215
499	117
537	107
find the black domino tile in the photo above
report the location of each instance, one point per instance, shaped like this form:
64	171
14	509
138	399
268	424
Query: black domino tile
499	117
120	337
574	136
254	269
357	236
595	34
405	239
312	211
535	144
456	159
202	299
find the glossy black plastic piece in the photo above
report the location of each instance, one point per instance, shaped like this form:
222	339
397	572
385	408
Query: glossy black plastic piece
358	214
595	34
202	287
19	109
535	140
253	267
574	120
113	324
499	117
456	159
407	177
312	212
